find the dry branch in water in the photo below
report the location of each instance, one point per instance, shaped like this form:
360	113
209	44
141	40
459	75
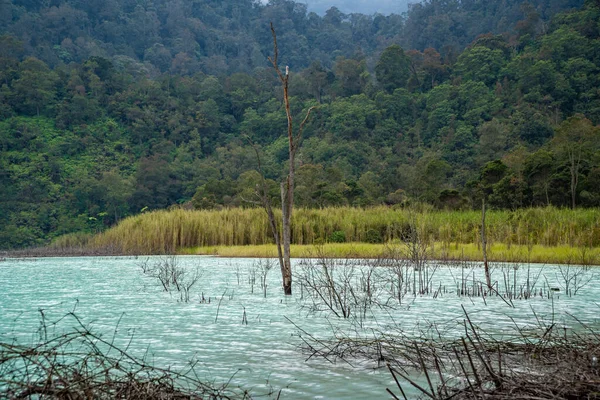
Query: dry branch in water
549	362
83	365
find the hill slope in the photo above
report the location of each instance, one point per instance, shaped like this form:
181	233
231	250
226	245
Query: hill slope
86	143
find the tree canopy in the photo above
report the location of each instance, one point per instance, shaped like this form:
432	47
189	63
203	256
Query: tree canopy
108	109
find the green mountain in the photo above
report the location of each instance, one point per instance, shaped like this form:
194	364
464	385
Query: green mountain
111	108
222	37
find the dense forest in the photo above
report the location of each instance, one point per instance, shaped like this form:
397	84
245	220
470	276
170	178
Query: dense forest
112	108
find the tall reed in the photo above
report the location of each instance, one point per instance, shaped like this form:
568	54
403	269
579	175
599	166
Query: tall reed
166	231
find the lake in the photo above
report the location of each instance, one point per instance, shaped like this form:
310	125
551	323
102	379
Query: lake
238	334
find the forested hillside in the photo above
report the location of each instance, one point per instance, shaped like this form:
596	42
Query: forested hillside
220	37
116	107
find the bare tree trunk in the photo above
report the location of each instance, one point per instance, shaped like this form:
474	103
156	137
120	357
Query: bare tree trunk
486	268
573	191
263	193
276	237
575	162
286	210
287	187
574	177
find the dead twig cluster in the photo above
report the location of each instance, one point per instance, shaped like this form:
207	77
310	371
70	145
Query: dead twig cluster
547	361
82	365
551	363
342	288
172	276
376	350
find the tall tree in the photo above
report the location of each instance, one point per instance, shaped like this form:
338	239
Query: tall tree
35	90
393	68
574	140
538	168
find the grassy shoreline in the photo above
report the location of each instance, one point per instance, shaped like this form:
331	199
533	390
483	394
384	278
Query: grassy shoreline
541	235
498	252
470	252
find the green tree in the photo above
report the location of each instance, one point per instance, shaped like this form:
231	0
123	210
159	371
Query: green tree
35	89
352	118
431	178
539	167
117	191
493	142
216	193
318	79
480	63
393	68
371	188
351	76
574	142
311	185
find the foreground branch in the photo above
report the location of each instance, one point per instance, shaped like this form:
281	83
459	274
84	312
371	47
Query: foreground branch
83	365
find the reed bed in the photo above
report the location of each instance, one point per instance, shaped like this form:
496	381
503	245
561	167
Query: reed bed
71	241
332	250
162	232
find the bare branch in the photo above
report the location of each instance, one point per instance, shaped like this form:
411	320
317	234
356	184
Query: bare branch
301	128
274	60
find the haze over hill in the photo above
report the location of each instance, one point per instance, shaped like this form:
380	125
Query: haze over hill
229	36
359	6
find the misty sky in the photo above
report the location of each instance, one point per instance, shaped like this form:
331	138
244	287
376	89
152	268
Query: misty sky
358	6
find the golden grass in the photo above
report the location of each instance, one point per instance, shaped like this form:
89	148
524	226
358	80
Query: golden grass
70	240
497	253
500	252
334	250
166	231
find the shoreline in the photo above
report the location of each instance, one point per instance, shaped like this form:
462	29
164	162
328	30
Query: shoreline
497	252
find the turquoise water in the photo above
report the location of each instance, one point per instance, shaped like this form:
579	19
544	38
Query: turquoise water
112	295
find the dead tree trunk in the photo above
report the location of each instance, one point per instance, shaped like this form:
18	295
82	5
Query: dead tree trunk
574	163
287	186
275	231
265	201
486	268
286	210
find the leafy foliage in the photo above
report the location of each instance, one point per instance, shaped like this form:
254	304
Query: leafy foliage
111	108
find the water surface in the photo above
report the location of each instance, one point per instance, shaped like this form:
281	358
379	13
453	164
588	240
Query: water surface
244	335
